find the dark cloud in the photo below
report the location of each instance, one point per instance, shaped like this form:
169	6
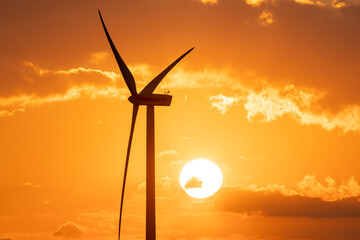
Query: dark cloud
193	182
68	230
278	205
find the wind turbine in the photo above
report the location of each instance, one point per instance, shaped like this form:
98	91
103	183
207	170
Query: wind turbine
149	99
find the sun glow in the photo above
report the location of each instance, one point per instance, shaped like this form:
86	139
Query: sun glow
201	178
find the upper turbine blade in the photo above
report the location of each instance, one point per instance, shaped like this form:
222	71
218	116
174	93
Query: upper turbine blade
149	89
128	77
133	120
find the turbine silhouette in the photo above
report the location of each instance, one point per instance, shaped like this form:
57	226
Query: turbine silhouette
149	99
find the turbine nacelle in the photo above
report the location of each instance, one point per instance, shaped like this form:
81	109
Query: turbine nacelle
152	99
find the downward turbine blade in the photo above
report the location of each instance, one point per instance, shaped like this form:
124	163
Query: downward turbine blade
133	120
128	77
149	89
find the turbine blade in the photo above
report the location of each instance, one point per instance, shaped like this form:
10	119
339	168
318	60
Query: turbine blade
149	89
128	77
133	120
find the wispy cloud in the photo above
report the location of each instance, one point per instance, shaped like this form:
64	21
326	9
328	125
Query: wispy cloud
302	104
98	57
311	2
24	101
320	3
223	103
41	72
39	85
254	2
209	1
266	18
75	81
6	238
10	113
30	184
273	103
170	152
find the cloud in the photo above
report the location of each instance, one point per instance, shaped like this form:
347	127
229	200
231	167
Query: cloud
6	238
10	113
302	104
270	102
279	205
254	2
223	103
311	2
170	152
312	199
338	4
266	18
20	103
98	57
32	85
320	3
209	1
36	86
68	230
273	103
310	187
193	182
329	3
30	184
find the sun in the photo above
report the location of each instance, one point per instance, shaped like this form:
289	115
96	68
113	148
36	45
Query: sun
201	178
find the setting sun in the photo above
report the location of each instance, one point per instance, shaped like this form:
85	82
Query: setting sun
201	178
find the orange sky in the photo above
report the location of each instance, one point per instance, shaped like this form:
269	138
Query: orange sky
270	94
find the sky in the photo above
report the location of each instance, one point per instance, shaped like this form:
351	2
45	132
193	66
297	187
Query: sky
269	94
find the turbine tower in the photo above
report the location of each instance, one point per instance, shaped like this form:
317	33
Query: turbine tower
149	99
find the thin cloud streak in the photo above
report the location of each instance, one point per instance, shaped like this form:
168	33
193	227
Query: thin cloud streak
223	103
170	152
209	1
25	101
320	3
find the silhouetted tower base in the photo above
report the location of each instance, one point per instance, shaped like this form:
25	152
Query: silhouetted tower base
150	175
